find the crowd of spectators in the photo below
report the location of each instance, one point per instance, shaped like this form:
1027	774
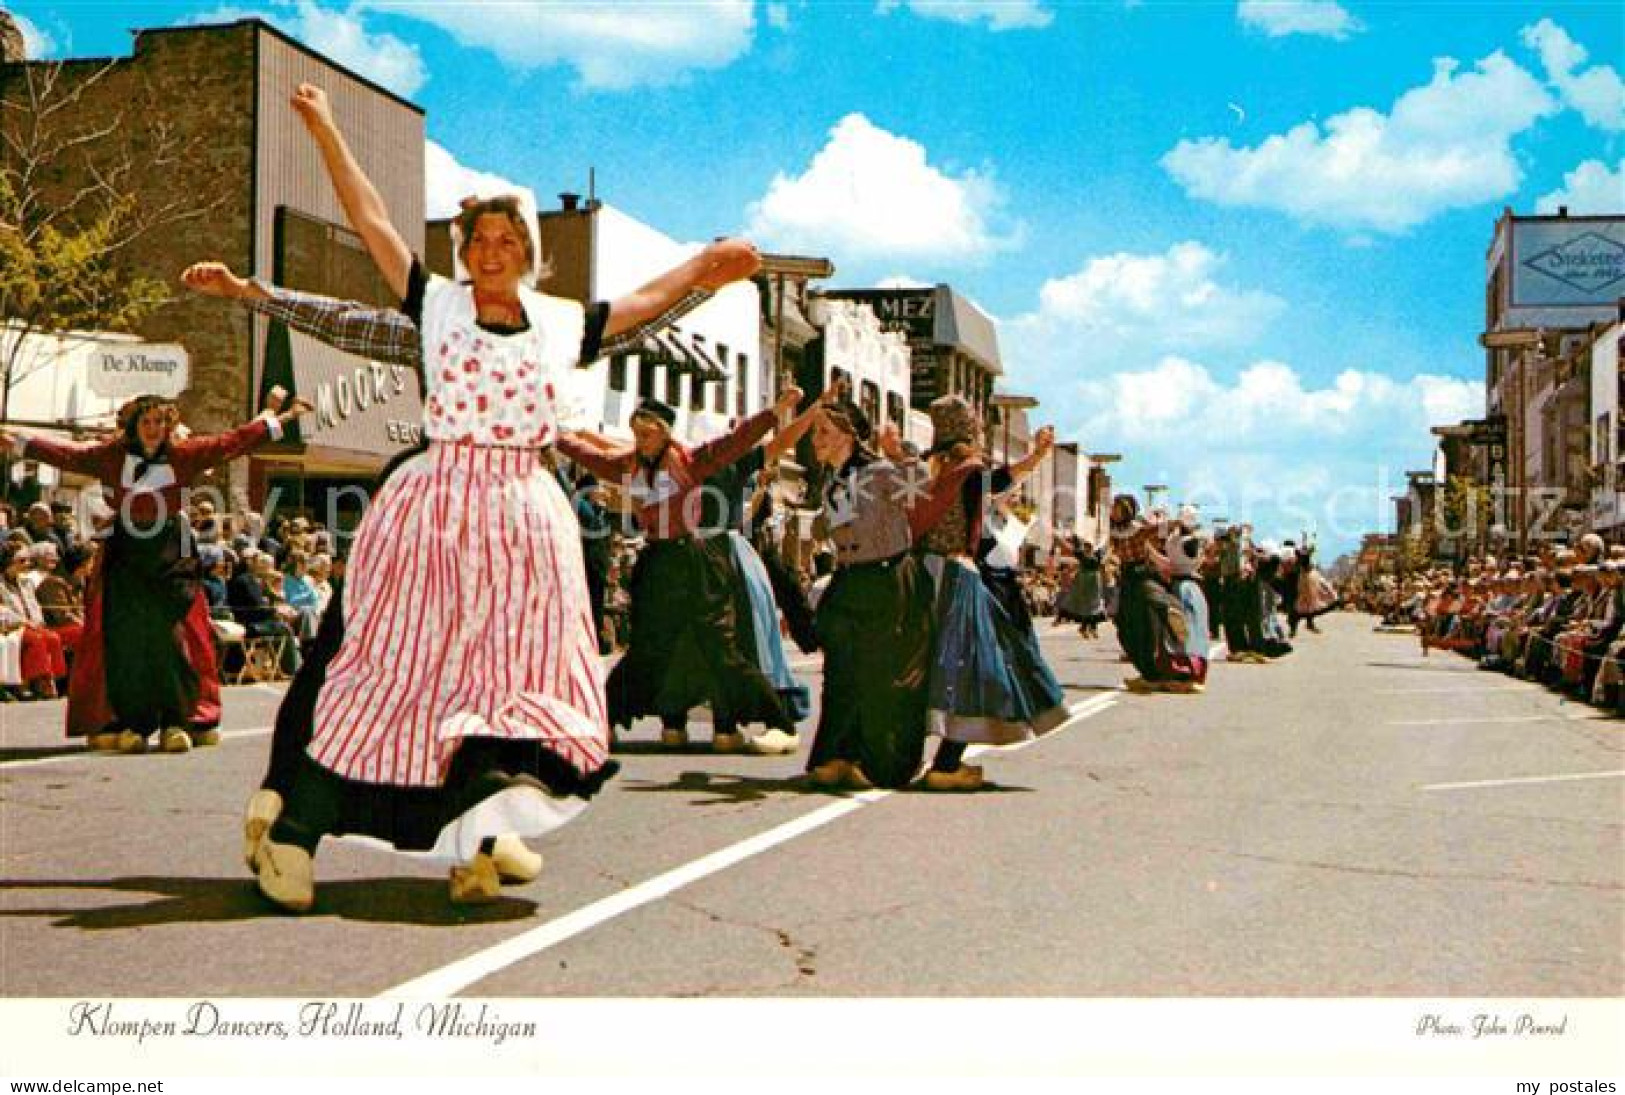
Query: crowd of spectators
1556	617
261	580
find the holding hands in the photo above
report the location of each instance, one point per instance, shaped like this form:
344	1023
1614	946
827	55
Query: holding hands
215	279
725	262
890	440
788	400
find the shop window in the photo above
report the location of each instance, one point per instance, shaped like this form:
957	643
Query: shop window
869	400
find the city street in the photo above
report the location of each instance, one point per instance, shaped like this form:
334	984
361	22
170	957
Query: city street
1355	820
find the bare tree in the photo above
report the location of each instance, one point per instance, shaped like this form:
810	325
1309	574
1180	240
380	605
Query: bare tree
80	163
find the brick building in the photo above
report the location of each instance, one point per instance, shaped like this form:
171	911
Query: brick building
265	207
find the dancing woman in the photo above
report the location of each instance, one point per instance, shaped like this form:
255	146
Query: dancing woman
688	641
464	703
145	661
973	693
1039	700
874	619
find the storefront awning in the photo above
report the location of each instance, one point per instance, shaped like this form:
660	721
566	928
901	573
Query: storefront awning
684	351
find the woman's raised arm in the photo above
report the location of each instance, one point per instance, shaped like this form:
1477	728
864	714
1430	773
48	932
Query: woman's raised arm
721	263
362	203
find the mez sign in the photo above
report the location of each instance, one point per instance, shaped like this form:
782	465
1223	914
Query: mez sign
1572	263
118	370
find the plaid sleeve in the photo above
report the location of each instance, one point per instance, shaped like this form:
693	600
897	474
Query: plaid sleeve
378	334
631	340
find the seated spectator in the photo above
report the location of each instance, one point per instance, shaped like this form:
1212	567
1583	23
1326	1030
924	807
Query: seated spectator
321	571
61	596
44	559
299	595
40	655
253	607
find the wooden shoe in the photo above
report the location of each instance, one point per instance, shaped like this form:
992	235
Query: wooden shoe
264	807
476	884
967	777
1139	684
102	743
131	742
674	737
203	738
515	863
287	877
856	779
727	741
172	739
774	743
832	773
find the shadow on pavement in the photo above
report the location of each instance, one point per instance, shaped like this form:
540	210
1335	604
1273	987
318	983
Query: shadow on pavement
730	789
75	748
727	789
1470	670
419	901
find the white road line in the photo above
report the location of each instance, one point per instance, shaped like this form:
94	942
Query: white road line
459	975
1473	720
86	754
1520	779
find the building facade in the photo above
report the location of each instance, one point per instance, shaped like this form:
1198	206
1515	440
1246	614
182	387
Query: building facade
1550	280
954	348
263	207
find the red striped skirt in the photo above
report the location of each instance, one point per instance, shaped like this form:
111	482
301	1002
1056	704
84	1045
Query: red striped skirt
465	615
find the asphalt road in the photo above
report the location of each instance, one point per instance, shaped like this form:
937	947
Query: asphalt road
1354	820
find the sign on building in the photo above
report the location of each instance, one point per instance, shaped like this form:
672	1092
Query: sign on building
120	370
1576	262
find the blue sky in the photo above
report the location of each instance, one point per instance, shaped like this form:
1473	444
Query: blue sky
1241	243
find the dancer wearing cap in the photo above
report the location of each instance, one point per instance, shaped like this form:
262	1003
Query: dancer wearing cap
1084	601
1184	550
1039	699
145	661
874	618
1151	625
687	647
973	695
389	337
730	509
464	706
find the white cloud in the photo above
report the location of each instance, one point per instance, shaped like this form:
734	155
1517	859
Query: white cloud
341	36
1444	145
1590	188
1597	93
612	46
1126	305
902	281
37	42
870	194
1278	18
1267	447
998	14
448	182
